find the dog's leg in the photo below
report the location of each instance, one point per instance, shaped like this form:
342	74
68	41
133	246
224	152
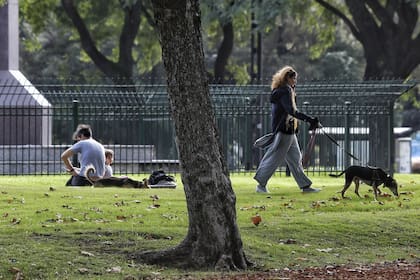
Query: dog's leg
375	190
346	186
357	184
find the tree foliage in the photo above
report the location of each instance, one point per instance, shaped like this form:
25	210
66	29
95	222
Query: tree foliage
118	36
388	31
312	35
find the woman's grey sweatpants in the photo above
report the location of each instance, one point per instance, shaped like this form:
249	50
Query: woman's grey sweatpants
284	147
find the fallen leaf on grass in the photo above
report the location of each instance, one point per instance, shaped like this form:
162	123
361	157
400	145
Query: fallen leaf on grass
116	269
261	207
119	204
96	209
406	193
317	204
288	241
83	270
384	194
14	270
18	275
256	220
288	205
327	250
15	221
121	218
87	254
5	215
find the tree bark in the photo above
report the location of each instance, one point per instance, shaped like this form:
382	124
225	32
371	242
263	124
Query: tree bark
386	33
223	53
213	239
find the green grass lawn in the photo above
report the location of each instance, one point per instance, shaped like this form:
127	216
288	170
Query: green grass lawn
48	231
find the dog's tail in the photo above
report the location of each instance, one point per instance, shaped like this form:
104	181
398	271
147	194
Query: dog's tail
337	175
90	170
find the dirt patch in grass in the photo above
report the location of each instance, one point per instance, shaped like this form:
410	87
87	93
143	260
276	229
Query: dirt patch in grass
397	270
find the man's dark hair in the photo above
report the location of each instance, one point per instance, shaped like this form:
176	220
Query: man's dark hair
83	129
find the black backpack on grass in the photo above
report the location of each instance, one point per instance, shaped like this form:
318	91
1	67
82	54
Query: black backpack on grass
159	176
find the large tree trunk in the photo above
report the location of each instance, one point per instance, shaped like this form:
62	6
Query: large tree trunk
213	239
387	32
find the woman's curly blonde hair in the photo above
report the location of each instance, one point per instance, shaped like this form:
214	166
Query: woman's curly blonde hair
280	77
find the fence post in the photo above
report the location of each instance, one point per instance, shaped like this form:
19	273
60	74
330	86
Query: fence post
347	133
391	142
75	124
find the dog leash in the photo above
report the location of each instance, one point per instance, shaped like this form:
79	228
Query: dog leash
335	142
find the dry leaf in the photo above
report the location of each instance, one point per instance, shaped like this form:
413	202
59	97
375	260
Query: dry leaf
83	270
406	193
384	194
116	269
256	220
154	197
86	253
14	270
15	221
327	250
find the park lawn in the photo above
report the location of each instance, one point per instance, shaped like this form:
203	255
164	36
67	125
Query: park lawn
48	231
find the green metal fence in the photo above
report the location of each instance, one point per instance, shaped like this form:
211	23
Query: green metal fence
136	123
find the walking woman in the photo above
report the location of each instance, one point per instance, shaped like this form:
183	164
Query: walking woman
284	123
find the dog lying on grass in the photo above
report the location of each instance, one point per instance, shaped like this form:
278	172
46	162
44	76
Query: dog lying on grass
122	182
372	176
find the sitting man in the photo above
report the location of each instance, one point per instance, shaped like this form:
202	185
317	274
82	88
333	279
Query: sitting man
92	153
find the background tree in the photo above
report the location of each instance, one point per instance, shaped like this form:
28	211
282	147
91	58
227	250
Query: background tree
213	239
117	36
51	40
388	32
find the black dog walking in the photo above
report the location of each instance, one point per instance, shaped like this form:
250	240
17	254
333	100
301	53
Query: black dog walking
372	176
